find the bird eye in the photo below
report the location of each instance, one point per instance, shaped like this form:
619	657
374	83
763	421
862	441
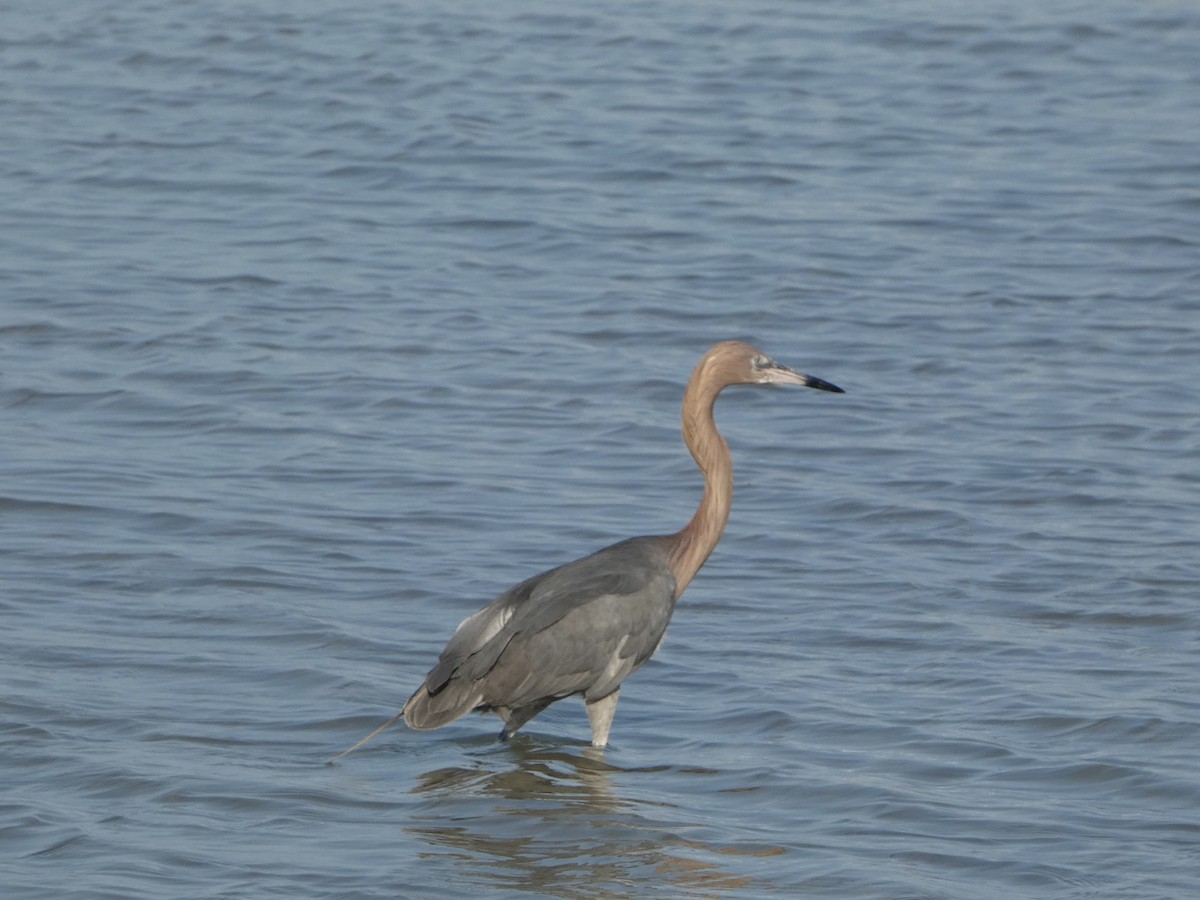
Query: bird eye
761	362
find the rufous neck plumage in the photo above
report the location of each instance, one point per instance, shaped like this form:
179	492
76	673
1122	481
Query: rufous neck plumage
691	545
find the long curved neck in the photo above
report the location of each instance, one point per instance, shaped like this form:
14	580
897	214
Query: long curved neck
691	545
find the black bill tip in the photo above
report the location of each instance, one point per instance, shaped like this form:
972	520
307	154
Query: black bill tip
821	385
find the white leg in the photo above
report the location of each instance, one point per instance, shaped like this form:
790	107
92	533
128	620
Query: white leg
600	715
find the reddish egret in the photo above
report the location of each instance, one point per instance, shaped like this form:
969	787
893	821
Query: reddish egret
584	627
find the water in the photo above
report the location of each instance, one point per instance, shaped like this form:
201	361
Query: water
320	327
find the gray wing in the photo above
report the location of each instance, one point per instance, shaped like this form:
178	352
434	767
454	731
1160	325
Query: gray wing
582	627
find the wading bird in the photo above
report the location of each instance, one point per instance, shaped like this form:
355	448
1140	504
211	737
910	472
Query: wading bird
584	627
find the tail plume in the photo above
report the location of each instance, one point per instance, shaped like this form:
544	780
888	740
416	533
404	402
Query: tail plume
382	728
425	711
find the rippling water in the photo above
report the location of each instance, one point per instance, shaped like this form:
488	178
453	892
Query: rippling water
322	326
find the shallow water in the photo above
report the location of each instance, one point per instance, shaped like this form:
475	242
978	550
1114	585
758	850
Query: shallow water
322	327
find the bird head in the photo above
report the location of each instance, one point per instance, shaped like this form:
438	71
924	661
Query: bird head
735	362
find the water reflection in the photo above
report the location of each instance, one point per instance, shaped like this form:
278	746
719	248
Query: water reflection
551	818
534	771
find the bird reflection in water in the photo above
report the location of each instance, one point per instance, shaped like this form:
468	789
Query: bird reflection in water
548	819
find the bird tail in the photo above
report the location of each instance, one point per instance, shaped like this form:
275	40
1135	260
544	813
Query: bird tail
382	728
425	711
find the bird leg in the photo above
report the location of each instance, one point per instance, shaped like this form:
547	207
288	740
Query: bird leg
600	715
515	718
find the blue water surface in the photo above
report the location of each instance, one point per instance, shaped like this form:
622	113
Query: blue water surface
322	324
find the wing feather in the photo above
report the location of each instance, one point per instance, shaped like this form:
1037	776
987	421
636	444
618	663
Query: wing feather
582	627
